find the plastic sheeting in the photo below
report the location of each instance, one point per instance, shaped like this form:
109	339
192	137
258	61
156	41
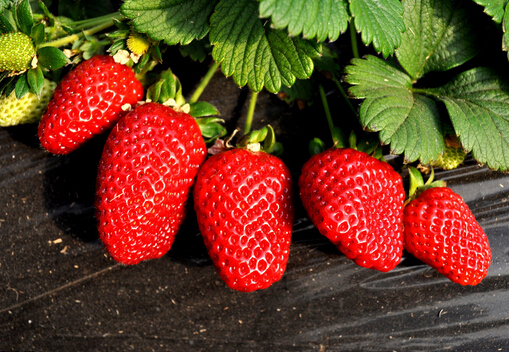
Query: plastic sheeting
59	290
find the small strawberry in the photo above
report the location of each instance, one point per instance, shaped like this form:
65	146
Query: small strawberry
453	155
28	109
441	231
356	201
17	51
88	101
243	201
146	170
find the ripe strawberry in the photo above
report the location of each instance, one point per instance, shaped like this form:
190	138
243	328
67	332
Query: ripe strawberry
148	165
243	201
356	201
28	109
88	101
16	52
441	231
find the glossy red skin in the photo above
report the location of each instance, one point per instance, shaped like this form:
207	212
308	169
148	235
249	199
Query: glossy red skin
244	206
148	165
87	102
441	231
356	201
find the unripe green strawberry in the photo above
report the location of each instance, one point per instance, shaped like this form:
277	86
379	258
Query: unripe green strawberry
451	158
28	109
16	52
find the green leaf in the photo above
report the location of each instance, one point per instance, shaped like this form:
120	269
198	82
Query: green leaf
303	90
316	146
255	54
505	29
51	58
35	78
436	38
478	104
494	8
174	21
202	108
420	135
166	88
328	62
4	4
37	33
7	24
211	128
21	87
323	19
197	50
380	22
24	17
409	122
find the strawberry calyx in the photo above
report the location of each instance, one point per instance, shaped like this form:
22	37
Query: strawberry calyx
417	185
167	90
263	139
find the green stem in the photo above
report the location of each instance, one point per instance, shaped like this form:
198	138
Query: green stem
147	68
205	81
353	39
327	111
250	112
78	25
345	96
73	37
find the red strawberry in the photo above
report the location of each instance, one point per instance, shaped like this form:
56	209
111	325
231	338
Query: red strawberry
356	201
146	170
243	201
441	231
88	101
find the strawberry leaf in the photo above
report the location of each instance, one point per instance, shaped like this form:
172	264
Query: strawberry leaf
7	23
51	58
202	108
4	4
478	104
505	29
24	17
436	38
494	8
323	19
380	22
174	21
35	78
37	33
21	88
253	52
407	121
197	50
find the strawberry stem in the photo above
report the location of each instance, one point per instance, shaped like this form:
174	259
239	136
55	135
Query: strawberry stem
92	22
327	110
250	112
205	81
73	37
345	96
353	40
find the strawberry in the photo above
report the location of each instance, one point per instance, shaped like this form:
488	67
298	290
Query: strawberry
356	201
453	155
17	51
243	201
441	231
89	100
147	167
28	109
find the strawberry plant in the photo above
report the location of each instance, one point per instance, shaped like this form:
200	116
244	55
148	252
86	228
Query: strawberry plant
423	77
